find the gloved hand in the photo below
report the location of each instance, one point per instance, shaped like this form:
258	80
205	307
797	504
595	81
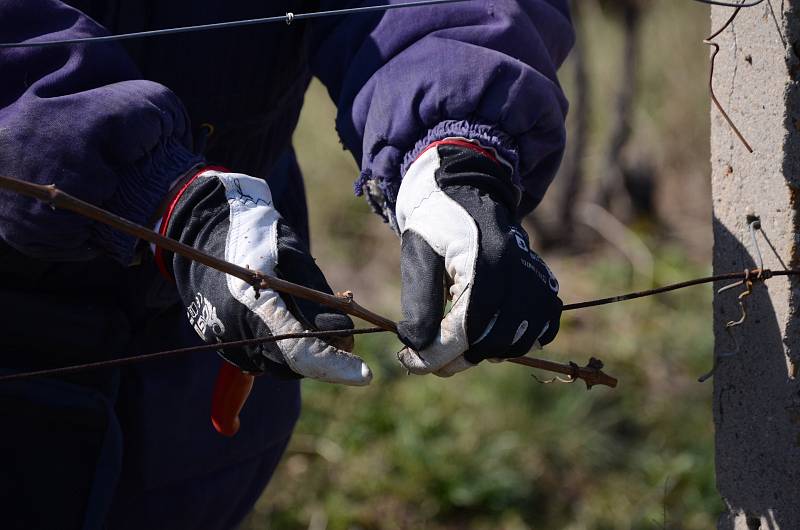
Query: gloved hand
231	216
455	210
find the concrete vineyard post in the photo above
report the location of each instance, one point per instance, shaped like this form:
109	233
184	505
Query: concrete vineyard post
756	391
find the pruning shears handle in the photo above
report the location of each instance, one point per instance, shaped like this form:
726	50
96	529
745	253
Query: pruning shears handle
231	391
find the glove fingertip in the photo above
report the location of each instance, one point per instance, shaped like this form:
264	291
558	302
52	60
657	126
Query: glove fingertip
316	359
413	362
333	321
551	332
418	334
360	376
366	374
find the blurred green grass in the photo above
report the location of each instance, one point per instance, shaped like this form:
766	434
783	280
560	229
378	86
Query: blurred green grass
492	448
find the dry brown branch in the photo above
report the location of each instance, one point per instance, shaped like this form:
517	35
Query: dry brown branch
591	373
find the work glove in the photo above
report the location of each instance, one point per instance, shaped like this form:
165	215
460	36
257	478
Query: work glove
456	214
231	216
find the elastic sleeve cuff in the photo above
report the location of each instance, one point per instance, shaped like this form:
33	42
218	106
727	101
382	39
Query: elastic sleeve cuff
380	182
141	190
486	135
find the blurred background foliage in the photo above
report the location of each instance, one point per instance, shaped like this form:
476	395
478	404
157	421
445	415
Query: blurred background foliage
493	448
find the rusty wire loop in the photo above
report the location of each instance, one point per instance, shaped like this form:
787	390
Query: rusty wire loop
758	275
571	378
554	379
748	290
710	41
748	282
558	379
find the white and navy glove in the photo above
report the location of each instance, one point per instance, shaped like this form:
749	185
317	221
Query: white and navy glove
231	216
455	210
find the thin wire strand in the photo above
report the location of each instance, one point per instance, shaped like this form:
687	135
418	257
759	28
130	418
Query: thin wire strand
730	4
756	225
747	274
672	287
288	18
713	61
181	351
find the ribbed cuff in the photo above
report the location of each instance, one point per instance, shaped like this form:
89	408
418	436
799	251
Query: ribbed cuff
485	135
141	190
381	175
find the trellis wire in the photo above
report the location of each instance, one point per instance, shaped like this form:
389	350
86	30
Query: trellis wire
288	18
755	274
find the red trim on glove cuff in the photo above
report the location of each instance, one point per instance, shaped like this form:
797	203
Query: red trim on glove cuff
159	253
463	143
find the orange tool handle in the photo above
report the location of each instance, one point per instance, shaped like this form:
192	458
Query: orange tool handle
230	394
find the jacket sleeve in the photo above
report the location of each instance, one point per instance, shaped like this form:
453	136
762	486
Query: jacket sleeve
482	69
80	117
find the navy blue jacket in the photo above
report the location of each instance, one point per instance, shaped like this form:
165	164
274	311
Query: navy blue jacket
115	124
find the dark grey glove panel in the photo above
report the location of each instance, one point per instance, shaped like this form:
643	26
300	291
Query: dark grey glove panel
422	297
296	265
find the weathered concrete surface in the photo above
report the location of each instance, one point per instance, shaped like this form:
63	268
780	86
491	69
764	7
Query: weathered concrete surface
756	394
